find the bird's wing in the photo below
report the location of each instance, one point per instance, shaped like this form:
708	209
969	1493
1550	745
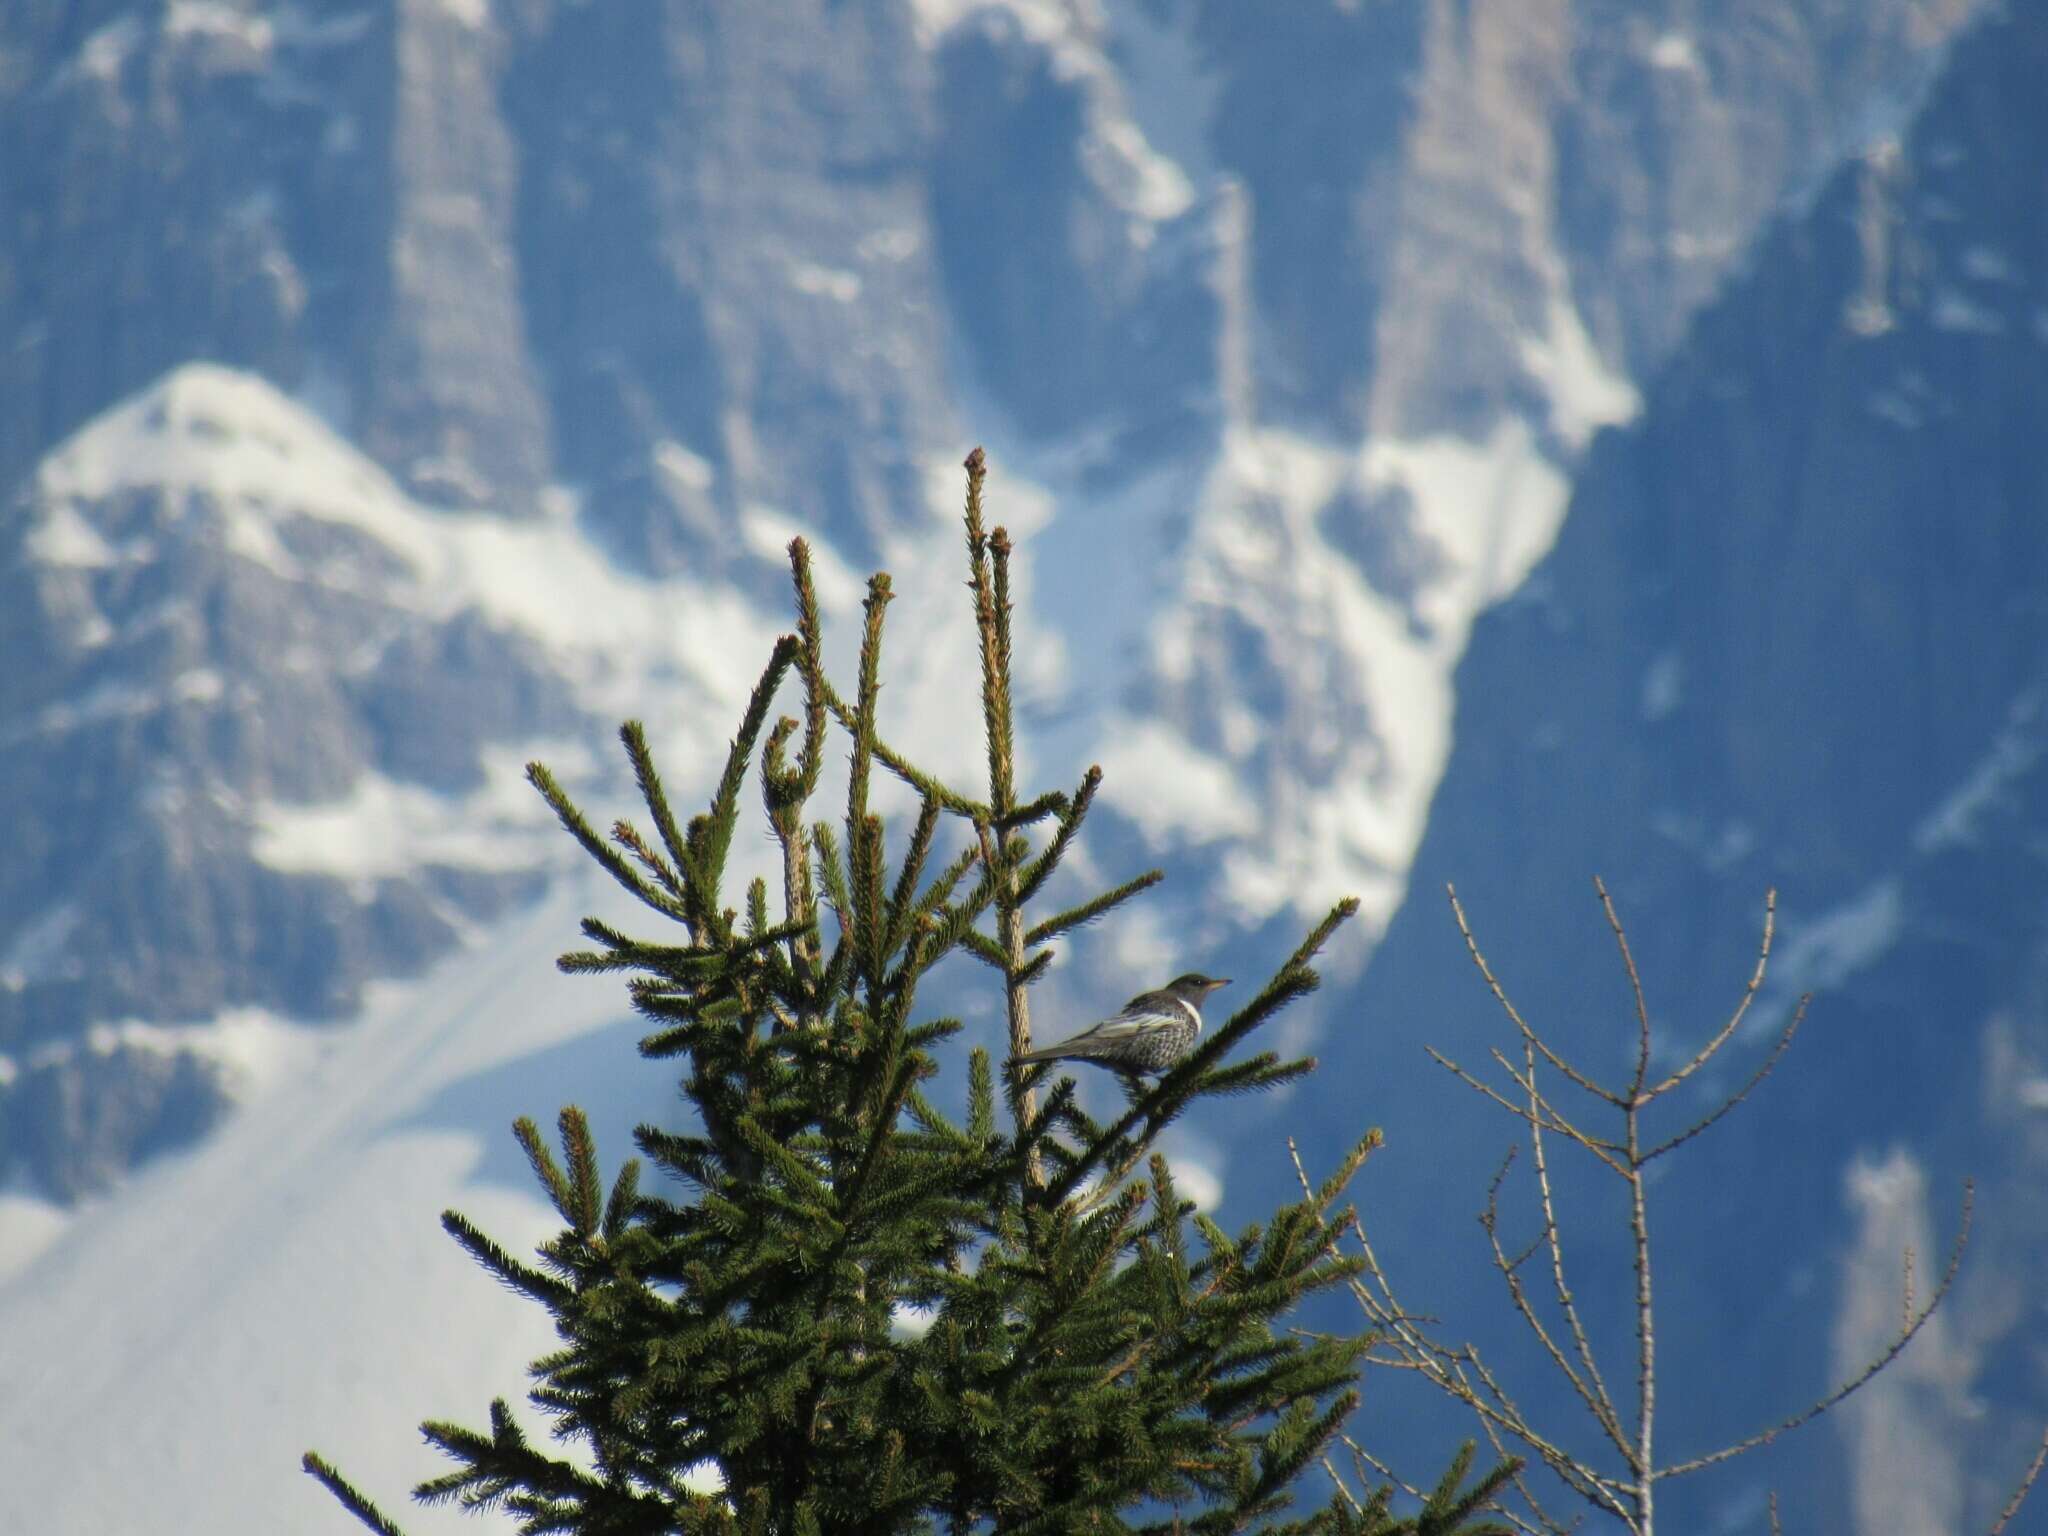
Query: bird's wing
1160	1004
1145	1012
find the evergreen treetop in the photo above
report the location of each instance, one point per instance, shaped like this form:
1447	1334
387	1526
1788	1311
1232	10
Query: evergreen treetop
1098	1355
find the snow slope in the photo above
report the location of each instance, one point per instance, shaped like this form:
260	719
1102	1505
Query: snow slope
287	1285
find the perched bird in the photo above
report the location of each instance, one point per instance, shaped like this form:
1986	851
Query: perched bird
1153	1032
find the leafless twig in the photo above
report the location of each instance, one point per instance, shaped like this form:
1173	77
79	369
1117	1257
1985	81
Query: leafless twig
1402	1339
1915	1322
1501	997
2019	1494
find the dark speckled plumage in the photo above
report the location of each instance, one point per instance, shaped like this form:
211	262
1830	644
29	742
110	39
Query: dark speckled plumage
1152	1033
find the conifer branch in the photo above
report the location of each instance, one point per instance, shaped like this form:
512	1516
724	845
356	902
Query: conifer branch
551	1177
581	1152
1082	1356
1094	907
633	735
832	874
523	1278
1071	816
811	661
1176	1088
1053	802
990	588
628	837
904	906
607	858
783	792
822	699
725	802
346	1495
620	1204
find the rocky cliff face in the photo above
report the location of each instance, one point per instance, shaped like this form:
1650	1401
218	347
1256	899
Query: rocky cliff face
1303	329
500	247
1790	636
727	267
395	389
234	649
1470	230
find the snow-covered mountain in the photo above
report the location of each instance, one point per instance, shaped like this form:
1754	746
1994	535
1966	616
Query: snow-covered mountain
267	717
1791	636
400	390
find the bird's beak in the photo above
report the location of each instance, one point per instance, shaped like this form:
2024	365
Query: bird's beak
1213	985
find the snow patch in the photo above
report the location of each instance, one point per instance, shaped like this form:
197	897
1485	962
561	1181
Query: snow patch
1954	310
208	19
691	471
897	244
1823	952
1169	86
1675	51
103	701
231	443
62	538
835	283
254	1047
1141	181
1988	265
37	948
1583	392
104	53
1663	686
174	1312
198	685
1132	174
1494	506
384	828
1954	822
1043	21
1902	1429
1172	790
29	1225
1888	405
1260	563
203	428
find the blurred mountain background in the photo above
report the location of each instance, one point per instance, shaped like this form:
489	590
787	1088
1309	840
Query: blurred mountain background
1493	441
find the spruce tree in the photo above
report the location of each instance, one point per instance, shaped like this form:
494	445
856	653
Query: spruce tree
1098	1355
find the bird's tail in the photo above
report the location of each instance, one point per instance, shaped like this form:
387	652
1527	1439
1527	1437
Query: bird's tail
1047	1053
